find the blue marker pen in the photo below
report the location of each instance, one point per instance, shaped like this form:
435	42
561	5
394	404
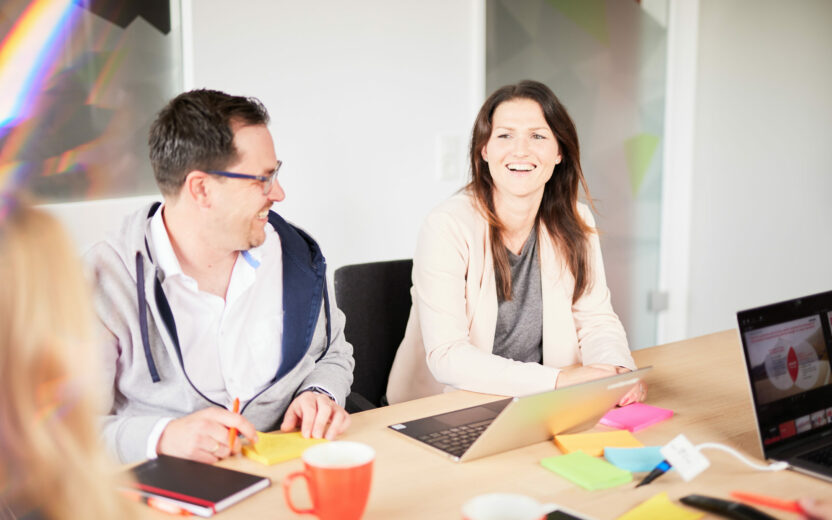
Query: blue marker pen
657	472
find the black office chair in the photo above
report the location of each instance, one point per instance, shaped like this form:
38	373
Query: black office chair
375	298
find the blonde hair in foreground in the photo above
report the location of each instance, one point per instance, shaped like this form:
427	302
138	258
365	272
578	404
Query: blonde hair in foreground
52	459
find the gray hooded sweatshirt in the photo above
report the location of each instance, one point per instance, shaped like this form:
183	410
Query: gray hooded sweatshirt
144	376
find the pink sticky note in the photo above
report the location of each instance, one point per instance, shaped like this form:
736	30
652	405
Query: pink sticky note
635	417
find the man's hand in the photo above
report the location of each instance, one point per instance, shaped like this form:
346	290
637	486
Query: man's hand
314	411
816	509
575	375
203	436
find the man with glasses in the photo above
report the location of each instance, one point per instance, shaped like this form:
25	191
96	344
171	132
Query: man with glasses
210	302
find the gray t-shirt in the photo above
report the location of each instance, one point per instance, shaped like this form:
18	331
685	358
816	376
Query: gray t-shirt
519	332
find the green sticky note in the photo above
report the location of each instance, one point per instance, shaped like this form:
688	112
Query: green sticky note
587	471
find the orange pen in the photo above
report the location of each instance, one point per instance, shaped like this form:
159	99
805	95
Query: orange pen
232	433
763	500
158	504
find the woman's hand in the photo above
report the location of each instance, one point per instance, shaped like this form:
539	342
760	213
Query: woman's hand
582	374
637	394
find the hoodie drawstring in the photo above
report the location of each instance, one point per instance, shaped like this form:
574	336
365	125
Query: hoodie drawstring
151	365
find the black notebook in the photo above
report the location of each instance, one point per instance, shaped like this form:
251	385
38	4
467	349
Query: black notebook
200	488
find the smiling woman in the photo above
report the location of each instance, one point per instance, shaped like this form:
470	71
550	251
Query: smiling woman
523	154
509	292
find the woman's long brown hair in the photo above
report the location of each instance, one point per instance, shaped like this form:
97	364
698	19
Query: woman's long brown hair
558	211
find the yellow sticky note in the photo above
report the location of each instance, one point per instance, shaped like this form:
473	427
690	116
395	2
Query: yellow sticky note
660	506
594	443
272	448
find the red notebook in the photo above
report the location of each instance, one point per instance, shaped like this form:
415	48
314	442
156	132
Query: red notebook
200	488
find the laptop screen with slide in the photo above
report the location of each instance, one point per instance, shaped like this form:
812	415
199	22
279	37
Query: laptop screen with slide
787	347
510	423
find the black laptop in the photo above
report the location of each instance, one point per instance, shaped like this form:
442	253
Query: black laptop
787	347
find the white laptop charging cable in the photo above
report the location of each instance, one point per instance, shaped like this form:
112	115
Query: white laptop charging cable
774	466
689	461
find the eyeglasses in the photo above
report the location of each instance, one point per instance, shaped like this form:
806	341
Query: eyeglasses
267	180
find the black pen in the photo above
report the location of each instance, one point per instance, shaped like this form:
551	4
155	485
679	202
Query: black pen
657	472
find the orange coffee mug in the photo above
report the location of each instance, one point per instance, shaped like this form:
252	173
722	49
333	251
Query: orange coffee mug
503	506
338	475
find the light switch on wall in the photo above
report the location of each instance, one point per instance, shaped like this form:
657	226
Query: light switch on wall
450	157
658	301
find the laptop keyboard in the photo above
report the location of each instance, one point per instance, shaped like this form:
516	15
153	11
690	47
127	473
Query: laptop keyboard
821	456
458	439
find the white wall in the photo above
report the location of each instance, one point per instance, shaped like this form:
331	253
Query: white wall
90	222
358	93
762	179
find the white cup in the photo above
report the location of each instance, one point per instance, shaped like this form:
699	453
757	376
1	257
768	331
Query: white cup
503	506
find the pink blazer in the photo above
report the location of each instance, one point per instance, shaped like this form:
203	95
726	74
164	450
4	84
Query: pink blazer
450	332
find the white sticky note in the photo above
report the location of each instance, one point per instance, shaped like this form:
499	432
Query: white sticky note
683	455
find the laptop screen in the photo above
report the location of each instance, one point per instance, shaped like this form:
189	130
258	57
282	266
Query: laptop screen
787	347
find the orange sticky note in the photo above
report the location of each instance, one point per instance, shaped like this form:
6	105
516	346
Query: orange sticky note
594	443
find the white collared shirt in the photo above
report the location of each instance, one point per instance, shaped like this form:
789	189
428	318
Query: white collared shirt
230	347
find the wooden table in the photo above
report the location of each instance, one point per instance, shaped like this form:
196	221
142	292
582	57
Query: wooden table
701	379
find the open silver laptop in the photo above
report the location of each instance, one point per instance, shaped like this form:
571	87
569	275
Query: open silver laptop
478	431
787	347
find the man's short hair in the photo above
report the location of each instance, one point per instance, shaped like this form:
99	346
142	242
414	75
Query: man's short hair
193	132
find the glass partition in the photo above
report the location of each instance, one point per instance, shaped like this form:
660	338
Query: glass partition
606	61
80	82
